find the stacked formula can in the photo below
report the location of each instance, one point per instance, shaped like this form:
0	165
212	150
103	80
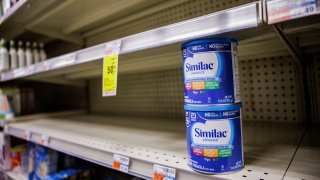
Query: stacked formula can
212	105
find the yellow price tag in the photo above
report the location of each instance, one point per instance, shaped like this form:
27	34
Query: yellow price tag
110	74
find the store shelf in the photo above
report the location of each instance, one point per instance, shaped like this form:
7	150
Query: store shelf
14	21
38	116
268	147
306	162
230	20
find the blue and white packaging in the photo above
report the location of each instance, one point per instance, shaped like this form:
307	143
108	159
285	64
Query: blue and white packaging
214	138
210	69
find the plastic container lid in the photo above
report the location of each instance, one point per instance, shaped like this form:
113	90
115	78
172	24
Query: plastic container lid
207	40
214	108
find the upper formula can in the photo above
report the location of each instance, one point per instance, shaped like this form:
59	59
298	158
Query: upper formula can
210	68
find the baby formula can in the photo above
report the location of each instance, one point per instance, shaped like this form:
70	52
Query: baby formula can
210	69
214	138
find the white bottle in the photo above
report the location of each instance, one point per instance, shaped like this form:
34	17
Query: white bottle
13	56
5	6
29	59
35	53
21	55
4	56
43	55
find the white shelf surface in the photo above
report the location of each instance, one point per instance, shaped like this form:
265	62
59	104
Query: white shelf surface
268	148
17	175
230	20
306	162
38	116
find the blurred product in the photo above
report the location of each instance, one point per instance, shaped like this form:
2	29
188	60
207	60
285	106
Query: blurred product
17	154
43	55
35	53
4	56
29	58
31	161
79	173
46	162
10	103
13	2
5	159
5	6
13	56
21	55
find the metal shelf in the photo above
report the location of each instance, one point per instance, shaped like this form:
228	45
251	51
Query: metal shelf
13	23
268	147
242	17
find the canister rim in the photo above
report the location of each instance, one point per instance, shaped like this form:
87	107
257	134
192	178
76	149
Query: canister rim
207	40
214	108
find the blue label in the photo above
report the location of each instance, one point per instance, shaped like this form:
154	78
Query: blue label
209	73
214	141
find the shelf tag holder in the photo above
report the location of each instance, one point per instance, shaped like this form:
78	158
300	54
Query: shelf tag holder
110	68
163	173
120	163
27	135
44	140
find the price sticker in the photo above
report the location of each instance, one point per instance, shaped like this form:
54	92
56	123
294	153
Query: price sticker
120	163
283	10
163	173
27	135
110	68
44	140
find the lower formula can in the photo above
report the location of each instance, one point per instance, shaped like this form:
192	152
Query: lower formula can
214	138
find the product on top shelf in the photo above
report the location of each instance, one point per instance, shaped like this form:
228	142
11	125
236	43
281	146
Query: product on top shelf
35	53
13	2
21	55
43	55
13	56
29	58
5	6
4	56
210	69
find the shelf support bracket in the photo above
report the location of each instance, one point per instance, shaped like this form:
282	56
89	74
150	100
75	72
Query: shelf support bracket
292	48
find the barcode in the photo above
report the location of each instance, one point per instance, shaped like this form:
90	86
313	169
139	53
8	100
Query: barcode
168	172
124	168
123	159
236	84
